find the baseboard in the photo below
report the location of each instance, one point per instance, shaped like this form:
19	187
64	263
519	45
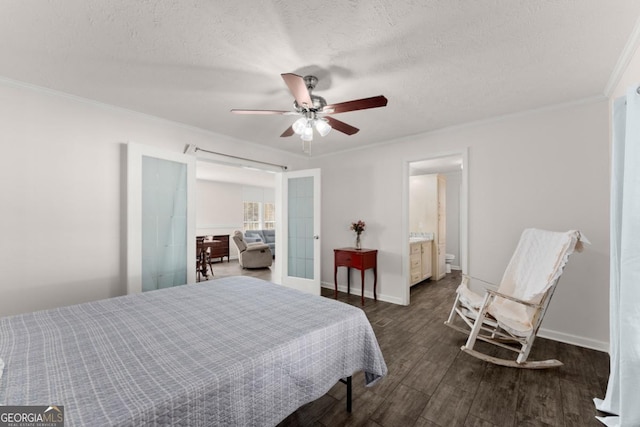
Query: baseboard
355	290
574	340
544	333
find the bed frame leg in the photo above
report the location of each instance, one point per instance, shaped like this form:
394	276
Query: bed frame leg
349	394
347	381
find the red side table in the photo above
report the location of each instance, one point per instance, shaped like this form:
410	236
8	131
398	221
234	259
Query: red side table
361	259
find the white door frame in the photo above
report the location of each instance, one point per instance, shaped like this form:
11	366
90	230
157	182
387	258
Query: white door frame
135	152
464	216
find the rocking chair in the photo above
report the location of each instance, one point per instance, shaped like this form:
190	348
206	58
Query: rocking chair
511	316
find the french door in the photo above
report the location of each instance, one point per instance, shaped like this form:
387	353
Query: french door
298	256
160	218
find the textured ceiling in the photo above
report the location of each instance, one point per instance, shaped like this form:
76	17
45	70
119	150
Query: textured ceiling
440	63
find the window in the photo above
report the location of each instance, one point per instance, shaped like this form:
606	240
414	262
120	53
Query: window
259	216
252	216
269	216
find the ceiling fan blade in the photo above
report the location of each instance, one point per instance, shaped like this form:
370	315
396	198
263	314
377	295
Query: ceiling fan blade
358	104
341	126
287	132
298	89
259	111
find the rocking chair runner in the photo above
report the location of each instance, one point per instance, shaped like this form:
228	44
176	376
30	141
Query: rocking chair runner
511	316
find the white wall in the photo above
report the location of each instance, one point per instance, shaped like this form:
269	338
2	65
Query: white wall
219	208
546	169
62	193
258	194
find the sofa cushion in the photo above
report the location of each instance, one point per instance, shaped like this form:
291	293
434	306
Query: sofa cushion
269	236
253	239
254	236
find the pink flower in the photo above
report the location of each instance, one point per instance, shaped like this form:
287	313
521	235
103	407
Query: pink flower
358	227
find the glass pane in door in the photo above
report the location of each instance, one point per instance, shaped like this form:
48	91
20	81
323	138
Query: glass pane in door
300	231
164	223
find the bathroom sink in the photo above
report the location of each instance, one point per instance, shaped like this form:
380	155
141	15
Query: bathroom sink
425	237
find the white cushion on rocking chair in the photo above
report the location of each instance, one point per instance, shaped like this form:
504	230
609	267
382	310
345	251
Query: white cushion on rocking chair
512	321
506	319
469	298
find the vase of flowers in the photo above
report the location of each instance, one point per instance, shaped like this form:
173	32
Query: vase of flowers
358	227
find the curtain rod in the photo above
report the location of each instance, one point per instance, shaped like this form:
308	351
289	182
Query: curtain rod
194	149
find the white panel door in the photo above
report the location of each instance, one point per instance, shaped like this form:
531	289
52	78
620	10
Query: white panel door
298	236
160	218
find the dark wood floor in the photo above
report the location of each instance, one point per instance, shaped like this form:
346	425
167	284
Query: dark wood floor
432	383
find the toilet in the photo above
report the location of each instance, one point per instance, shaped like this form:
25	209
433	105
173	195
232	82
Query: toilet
448	259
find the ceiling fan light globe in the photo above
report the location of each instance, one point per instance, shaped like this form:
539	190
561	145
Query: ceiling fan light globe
299	125
307	133
323	127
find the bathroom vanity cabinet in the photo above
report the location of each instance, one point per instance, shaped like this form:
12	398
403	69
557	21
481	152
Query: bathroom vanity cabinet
420	259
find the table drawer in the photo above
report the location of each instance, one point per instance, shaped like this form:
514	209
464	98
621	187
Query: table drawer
349	259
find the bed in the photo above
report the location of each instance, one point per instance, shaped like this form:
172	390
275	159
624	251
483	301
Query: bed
231	351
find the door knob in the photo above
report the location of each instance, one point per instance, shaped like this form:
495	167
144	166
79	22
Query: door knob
316	237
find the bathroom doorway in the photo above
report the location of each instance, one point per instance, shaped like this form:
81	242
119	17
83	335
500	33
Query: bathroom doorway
436	215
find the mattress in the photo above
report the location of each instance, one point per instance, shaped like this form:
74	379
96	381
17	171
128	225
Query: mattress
231	351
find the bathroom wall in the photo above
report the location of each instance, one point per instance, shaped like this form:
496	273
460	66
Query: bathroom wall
422	190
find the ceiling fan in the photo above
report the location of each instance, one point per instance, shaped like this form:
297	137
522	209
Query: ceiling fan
315	111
